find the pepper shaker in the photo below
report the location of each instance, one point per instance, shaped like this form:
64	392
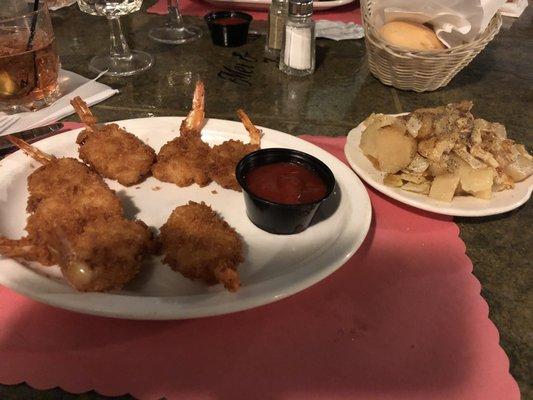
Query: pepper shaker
298	45
277	16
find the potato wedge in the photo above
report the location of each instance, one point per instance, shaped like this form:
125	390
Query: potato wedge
484	194
415	178
520	169
392	149
478	181
426	128
418	165
422	188
438	168
444	186
392	180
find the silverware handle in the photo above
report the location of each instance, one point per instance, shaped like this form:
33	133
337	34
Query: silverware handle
30	136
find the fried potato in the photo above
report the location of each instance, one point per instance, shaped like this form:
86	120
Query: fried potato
446	145
478	182
422	188
443	187
393	180
519	169
391	148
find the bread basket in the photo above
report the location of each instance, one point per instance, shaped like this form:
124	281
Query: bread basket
420	71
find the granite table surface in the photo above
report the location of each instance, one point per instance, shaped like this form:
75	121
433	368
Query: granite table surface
336	98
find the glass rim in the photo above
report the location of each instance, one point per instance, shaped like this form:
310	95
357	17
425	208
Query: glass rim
42	7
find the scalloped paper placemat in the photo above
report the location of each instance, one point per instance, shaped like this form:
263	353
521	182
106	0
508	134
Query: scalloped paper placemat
402	319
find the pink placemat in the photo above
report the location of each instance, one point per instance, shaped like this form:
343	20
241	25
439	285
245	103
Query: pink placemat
402	319
198	8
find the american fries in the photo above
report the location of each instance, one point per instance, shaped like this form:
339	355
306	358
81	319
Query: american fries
445	152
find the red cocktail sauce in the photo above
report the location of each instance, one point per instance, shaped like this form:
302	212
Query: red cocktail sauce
230	21
285	183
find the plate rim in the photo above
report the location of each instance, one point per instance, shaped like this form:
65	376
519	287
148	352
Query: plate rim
257	4
263	298
352	139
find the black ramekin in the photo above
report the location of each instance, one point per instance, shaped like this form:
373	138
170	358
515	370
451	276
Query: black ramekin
228	35
274	217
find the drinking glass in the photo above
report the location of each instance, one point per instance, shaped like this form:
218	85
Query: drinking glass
29	65
174	31
121	61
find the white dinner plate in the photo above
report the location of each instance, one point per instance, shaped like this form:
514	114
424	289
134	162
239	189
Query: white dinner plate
275	267
460	206
265	4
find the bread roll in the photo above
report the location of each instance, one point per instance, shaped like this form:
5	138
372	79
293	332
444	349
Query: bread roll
410	35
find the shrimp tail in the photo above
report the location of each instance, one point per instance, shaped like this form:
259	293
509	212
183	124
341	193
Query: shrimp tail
255	133
192	125
24	248
77	272
85	114
31	151
15	248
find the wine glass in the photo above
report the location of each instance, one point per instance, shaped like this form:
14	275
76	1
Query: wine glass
121	61
174	31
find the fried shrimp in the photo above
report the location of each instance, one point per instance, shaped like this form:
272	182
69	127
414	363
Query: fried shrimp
66	177
104	256
70	177
183	160
223	158
111	151
202	246
77	222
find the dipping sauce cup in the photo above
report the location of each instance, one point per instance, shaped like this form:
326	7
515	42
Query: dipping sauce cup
283	188
228	28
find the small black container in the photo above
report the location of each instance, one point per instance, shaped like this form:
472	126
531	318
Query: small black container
275	217
233	32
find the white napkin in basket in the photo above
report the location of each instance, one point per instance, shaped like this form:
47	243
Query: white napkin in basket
71	85
337	30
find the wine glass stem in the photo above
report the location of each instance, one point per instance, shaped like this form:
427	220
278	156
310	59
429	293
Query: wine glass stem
174	15
119	49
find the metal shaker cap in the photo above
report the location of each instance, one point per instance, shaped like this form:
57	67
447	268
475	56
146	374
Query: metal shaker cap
301	8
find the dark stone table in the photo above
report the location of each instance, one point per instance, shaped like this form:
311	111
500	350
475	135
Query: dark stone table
340	94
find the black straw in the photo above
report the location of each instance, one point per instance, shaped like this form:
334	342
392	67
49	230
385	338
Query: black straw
30	42
33	24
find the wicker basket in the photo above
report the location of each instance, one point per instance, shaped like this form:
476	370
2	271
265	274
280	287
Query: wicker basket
420	71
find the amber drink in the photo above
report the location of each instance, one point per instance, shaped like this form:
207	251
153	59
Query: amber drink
29	64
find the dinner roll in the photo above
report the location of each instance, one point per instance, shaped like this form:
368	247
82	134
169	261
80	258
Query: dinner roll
410	35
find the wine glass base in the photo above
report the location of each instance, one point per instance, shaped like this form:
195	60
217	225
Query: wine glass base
172	35
138	62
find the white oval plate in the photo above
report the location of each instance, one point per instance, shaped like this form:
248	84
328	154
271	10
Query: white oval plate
275	267
265	4
460	206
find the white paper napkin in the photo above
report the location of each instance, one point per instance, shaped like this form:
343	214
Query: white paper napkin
64	3
513	8
337	30
455	21
54	4
70	85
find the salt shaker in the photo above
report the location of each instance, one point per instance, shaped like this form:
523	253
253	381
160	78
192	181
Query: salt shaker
277	16
298	46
